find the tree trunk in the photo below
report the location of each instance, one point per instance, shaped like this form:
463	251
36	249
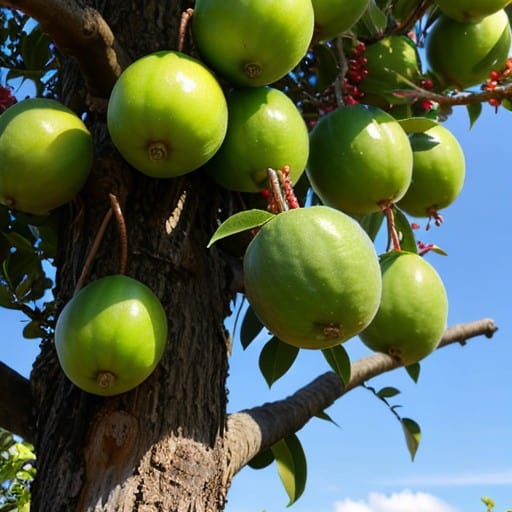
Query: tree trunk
159	447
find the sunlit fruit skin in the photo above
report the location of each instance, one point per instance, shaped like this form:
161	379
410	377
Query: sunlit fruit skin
46	153
413	312
462	55
312	277
332	17
265	129
438	172
388	60
111	335
360	159
252	42
470	10
167	114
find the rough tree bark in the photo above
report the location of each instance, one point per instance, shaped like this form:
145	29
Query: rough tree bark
168	444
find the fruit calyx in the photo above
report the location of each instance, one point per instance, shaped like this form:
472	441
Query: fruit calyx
253	69
157	150
105	379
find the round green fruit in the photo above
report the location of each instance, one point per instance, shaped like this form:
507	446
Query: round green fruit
111	335
46	153
360	159
312	277
412	315
332	17
470	10
437	174
388	60
252	42
462	55
265	129
167	114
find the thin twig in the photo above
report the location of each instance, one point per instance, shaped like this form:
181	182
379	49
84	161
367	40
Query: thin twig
94	250
123	234
186	16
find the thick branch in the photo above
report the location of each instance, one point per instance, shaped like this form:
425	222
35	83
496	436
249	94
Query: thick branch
255	429
15	403
81	33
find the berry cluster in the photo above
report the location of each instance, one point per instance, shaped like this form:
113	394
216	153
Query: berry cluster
428	85
356	73
495	79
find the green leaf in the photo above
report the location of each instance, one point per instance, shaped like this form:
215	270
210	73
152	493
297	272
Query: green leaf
412	435
339	361
438	250
7	299
474	111
414	371
324	416
262	459
291	466
372	223
374	19
327	66
388	392
405	232
417	124
241	221
276	359
251	327
33	330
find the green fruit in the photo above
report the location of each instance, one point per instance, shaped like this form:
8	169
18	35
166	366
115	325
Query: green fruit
332	17
360	159
437	174
412	315
46	154
252	42
388	60
463	54
265	129
111	335
312	277
470	10
167	114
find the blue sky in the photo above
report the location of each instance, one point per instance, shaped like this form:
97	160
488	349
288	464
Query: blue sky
462	401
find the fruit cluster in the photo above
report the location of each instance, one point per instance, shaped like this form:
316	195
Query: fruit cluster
312	275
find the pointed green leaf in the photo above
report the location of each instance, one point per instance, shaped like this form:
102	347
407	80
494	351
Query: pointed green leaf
372	223
327	66
262	459
33	330
417	124
474	111
414	371
405	232
324	416
438	250
276	359
291	466
251	327
412	435
241	221
388	392
7	299
339	361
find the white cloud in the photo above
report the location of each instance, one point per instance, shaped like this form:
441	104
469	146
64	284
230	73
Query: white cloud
404	501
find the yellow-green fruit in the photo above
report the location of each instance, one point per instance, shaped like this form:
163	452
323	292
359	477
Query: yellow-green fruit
252	42
111	335
167	114
462	55
265	129
412	315
437	174
360	159
332	17
470	10
388	60
312	277
46	154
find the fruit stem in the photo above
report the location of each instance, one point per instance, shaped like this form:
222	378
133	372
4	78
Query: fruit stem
281	196
93	251
123	234
186	16
387	210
